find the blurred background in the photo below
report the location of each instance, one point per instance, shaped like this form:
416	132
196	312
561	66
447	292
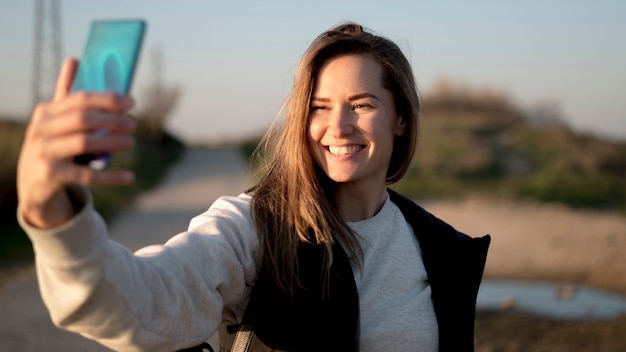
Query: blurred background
523	123
233	60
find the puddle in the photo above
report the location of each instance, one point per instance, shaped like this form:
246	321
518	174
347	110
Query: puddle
555	300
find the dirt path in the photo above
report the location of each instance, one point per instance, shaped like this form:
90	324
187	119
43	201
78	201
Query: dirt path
190	187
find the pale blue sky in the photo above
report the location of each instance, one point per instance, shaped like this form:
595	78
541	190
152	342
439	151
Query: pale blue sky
234	60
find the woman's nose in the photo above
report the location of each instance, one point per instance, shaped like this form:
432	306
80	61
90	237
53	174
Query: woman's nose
340	123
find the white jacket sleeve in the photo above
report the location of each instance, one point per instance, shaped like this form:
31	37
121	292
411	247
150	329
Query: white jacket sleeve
161	298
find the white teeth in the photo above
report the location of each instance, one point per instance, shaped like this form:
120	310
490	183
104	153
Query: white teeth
343	150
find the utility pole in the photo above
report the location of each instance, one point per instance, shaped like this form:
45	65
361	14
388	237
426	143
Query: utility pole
47	50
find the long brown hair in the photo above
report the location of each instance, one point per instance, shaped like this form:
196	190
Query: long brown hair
294	201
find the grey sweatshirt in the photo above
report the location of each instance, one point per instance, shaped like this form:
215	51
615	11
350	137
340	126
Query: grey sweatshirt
176	295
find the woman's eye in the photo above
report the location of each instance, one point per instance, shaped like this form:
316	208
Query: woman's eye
361	106
316	108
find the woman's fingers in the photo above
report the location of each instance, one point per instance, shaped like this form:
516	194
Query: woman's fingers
87	121
46	168
65	79
80	143
71	173
108	101
78	132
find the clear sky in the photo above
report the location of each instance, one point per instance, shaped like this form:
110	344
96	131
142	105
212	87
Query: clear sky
234	60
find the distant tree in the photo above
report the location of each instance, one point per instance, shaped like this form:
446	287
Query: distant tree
158	101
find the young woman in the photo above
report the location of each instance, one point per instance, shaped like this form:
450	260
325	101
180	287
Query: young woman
319	255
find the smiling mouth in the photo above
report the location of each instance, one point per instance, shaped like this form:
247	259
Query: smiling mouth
344	150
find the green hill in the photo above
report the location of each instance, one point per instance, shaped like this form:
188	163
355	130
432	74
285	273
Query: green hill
478	141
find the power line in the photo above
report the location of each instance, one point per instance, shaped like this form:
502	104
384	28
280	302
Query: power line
47	49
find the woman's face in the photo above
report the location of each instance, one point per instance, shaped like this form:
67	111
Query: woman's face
353	121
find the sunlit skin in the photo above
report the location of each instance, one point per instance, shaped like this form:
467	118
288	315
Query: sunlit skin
61	129
352	125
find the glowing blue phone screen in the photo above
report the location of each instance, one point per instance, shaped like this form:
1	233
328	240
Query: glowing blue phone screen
109	59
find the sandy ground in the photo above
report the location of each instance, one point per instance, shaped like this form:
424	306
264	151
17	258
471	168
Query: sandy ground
543	241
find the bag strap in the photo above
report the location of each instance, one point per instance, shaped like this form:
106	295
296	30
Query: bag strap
243	338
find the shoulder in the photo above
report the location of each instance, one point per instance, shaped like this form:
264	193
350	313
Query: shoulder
226	208
228	223
428	227
419	218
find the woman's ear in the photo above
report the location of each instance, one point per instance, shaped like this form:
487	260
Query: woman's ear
401	126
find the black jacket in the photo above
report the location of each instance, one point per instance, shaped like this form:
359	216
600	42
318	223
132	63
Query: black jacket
454	263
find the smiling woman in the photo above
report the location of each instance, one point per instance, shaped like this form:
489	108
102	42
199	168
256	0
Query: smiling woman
319	255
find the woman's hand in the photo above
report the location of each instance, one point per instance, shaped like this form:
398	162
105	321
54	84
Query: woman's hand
58	131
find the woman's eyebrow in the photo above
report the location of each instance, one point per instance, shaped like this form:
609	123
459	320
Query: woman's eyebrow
351	98
362	96
321	100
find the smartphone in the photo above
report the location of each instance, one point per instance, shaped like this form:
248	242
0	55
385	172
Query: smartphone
108	64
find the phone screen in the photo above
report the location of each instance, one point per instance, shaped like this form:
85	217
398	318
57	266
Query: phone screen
110	56
108	64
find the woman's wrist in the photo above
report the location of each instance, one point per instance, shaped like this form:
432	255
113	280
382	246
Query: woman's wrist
62	207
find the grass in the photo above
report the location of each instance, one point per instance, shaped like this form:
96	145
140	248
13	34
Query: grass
15	247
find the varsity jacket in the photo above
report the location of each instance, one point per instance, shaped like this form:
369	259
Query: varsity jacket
312	321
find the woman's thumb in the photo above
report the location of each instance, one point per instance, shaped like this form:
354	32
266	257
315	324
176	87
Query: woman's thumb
65	79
